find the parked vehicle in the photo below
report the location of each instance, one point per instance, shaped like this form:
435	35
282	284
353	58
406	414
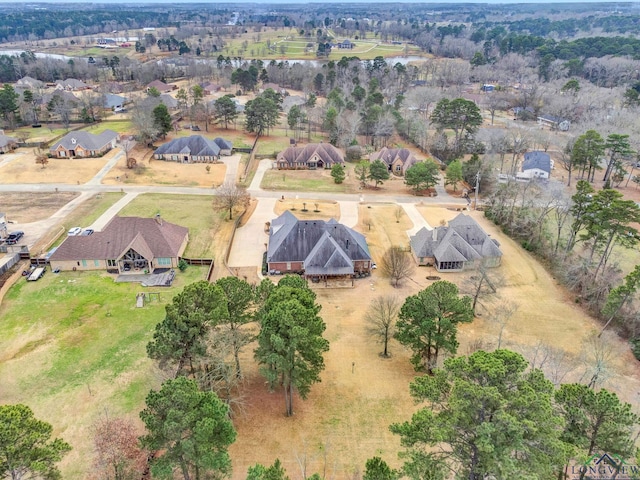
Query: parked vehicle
14	237
74	231
87	231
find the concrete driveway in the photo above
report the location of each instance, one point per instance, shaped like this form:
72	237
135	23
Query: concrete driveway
415	216
231	174
349	213
248	244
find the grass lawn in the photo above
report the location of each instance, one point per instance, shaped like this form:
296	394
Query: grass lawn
192	211
120	126
42	134
301	181
73	348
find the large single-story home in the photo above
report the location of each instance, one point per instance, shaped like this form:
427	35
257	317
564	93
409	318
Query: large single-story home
193	149
462	245
161	86
398	160
311	156
126	245
536	164
71	84
7	144
84	144
315	248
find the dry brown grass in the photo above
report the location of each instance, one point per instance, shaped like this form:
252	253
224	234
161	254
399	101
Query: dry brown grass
327	209
59	170
160	172
31	207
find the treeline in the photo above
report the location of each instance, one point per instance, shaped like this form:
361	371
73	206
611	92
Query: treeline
34	25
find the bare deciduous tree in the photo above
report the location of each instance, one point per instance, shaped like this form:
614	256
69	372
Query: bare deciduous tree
597	355
397	264
483	281
381	318
556	363
229	196
118	455
501	315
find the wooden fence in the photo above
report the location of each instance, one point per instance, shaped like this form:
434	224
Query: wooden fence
202	261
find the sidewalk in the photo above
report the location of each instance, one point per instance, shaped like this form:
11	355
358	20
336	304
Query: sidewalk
106	217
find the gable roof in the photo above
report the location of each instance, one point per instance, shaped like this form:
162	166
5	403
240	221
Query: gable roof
86	140
72	83
168	100
462	240
324	247
111	100
147	236
537	159
64	95
160	86
295	155
29	82
390	155
222	143
195	145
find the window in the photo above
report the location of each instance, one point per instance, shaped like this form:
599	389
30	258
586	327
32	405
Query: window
398	168
96	263
288	266
163	261
111	263
84	263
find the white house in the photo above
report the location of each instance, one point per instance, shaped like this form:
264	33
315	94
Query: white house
536	164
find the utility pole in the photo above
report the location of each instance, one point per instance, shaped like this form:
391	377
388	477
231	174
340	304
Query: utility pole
475	205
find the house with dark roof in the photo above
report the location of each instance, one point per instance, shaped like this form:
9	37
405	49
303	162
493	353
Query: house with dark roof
7	144
461	245
84	144
536	164
311	157
316	249
161	86
193	149
398	160
210	88
346	43
113	101
126	245
60	96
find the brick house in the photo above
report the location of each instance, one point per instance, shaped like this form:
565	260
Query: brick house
397	160
310	157
84	144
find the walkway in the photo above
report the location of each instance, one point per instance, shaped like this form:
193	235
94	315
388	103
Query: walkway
106	217
250	239
416	218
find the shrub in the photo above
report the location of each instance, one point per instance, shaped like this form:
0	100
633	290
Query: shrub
182	265
635	347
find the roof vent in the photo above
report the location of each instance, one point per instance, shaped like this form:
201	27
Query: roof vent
73	140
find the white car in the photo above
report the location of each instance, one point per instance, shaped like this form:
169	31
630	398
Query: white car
74	231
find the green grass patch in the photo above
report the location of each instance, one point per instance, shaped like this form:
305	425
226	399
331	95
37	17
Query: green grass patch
120	126
192	211
300	181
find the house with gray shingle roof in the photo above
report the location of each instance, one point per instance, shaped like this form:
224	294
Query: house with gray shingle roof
193	149
84	144
536	164
316	249
161	86
113	101
29	82
311	157
397	160
126	245
461	245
